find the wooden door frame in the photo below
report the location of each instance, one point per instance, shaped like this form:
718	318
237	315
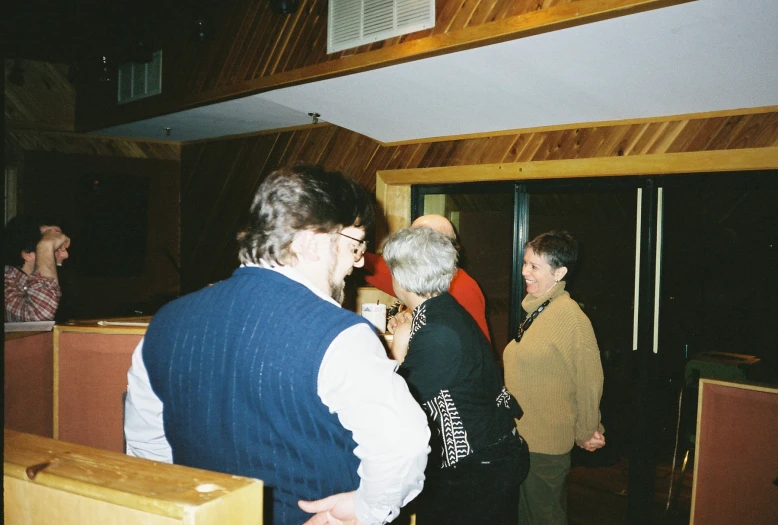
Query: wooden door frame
393	187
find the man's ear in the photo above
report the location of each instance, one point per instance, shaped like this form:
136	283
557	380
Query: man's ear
305	246
29	257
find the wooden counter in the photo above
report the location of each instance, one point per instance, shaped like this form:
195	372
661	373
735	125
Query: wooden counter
91	363
47	481
28	381
69	383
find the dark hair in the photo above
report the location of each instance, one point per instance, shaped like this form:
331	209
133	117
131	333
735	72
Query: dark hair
558	247
22	233
297	198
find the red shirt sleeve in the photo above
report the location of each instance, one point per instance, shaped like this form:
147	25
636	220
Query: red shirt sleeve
467	293
377	273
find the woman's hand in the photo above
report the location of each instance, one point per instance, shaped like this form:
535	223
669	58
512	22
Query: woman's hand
593	443
398	319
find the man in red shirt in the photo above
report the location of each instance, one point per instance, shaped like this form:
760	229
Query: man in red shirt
463	287
33	252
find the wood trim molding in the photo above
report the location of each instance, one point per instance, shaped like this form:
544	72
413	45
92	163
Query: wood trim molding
596	124
393	187
106	330
274	131
55	385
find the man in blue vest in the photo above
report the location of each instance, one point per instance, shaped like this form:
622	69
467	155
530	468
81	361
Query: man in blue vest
264	375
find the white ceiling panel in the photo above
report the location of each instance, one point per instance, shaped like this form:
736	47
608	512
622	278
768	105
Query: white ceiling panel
244	115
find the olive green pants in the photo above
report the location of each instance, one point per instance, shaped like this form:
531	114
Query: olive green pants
543	495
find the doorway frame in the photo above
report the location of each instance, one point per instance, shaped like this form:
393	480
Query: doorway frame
393	194
393	187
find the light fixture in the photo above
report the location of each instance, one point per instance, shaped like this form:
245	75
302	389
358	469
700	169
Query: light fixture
105	70
314	117
202	31
284	7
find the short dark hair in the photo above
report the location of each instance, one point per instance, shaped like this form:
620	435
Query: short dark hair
22	233
558	247
297	198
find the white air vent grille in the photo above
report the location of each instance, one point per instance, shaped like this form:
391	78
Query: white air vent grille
137	81
352	23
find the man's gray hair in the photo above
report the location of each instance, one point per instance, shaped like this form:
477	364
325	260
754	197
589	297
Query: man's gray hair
422	260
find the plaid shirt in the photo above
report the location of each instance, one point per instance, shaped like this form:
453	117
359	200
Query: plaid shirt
30	297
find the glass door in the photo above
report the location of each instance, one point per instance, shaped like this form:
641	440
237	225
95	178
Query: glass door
720	273
483	217
678	275
604	215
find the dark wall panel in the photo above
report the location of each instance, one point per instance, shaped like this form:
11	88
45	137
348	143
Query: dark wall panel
122	215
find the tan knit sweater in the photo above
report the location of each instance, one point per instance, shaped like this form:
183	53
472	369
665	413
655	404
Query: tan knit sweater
556	375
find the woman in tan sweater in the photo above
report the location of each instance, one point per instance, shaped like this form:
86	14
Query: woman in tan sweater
553	370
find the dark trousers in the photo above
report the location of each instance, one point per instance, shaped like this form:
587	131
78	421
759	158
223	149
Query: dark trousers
544	492
482	488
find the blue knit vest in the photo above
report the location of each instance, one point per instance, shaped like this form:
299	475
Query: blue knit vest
236	365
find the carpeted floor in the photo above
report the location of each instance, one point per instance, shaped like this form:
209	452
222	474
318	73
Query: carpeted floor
597	495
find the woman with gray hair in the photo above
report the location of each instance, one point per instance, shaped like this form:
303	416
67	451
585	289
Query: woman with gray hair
478	459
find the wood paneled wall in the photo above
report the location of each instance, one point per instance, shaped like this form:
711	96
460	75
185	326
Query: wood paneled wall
220	177
46	101
254	50
19	141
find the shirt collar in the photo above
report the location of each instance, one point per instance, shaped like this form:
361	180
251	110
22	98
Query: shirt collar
291	273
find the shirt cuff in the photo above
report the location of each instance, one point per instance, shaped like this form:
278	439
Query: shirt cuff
377	517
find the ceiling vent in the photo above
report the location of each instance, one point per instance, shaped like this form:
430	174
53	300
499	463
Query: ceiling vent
137	81
352	23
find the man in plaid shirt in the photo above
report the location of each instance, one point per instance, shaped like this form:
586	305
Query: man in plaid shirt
32	253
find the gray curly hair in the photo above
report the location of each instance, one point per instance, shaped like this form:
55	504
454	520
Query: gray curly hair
422	260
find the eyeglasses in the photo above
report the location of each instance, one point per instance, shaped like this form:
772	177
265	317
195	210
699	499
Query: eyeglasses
360	248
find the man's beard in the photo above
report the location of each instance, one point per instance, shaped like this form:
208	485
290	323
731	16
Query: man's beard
337	289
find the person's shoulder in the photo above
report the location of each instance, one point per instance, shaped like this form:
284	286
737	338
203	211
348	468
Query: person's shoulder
443	317
462	278
569	309
565	304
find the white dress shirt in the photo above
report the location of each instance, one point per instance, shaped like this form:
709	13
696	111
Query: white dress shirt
357	382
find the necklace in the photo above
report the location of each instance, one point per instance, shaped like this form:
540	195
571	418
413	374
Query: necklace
528	321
